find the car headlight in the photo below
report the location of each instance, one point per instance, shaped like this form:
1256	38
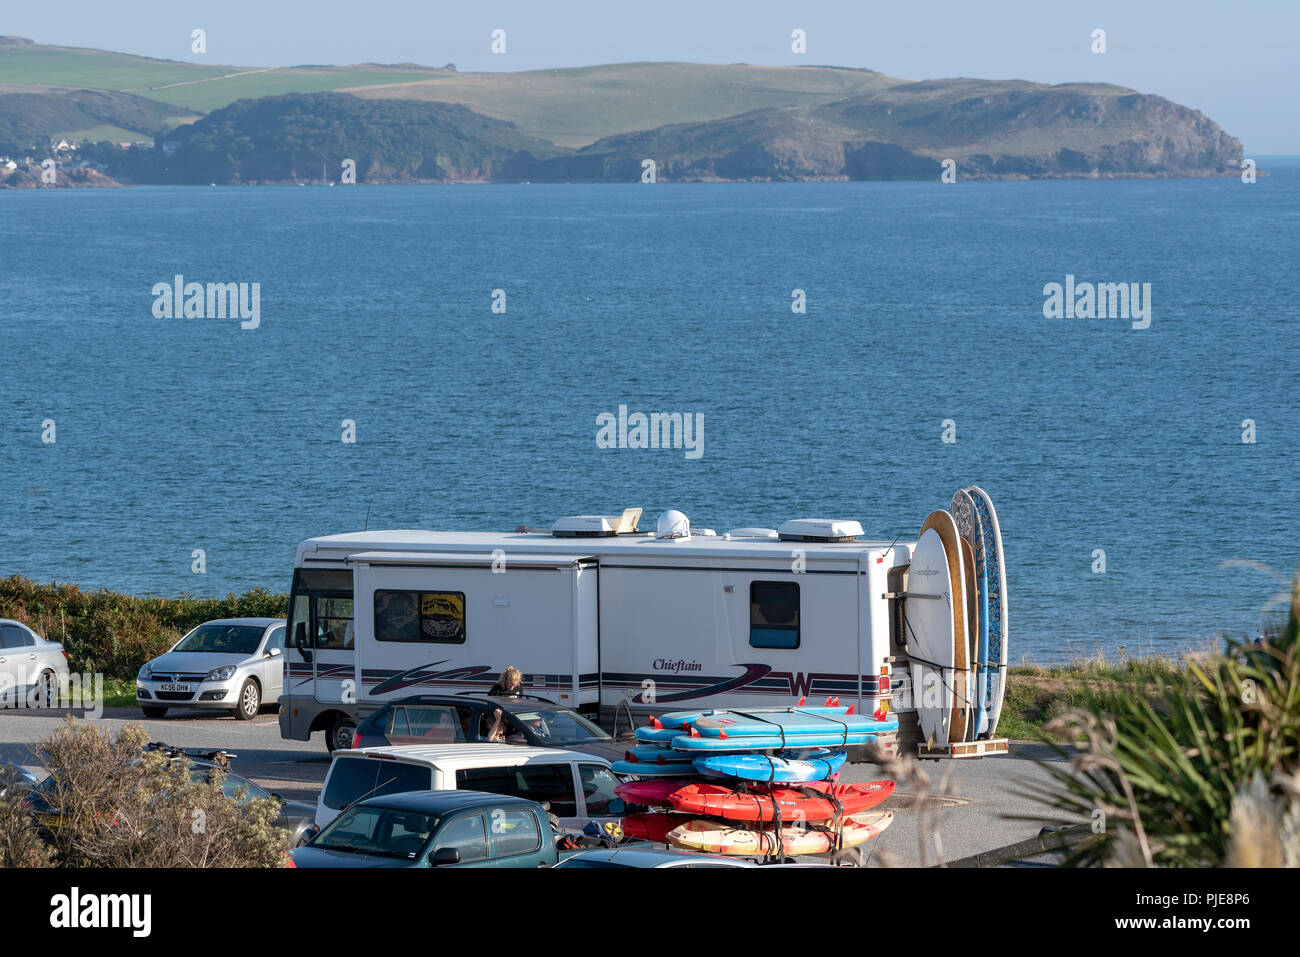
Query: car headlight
221	674
145	673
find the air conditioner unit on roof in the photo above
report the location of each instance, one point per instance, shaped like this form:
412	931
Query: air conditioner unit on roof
820	530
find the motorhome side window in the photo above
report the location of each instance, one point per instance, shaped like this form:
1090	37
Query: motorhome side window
774	614
420	616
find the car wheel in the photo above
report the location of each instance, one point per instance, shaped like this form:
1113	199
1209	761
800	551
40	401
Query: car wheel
47	688
250	701
339	736
152	712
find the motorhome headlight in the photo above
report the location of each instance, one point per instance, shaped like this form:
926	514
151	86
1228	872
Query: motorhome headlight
221	674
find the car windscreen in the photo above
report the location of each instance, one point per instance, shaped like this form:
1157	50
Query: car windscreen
558	726
222	639
352	779
389	832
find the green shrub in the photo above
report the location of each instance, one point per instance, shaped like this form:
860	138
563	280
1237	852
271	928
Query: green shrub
114	634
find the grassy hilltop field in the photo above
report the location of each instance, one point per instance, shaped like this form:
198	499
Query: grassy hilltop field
698	122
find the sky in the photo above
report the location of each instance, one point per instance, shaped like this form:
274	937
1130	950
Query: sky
1240	65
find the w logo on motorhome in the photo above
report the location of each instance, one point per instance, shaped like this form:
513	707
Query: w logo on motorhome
422	673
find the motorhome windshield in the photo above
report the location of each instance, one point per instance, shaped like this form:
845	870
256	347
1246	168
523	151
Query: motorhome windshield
222	639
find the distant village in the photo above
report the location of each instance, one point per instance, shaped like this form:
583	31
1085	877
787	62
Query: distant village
65	166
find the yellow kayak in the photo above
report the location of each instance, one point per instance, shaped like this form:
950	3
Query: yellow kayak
717	837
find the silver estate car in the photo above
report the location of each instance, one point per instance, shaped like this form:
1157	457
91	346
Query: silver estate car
234	664
32	670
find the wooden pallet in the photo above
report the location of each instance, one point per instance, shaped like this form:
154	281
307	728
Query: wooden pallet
964	749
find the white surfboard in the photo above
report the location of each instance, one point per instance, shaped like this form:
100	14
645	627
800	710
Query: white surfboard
943	697
929	627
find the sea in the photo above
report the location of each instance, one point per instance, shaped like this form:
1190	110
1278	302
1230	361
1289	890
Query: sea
451	357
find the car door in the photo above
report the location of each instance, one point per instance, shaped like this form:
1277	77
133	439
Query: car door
467	833
272	669
17	661
516	835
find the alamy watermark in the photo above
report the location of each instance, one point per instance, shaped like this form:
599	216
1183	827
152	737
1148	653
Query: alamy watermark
45	690
1102	300
179	299
658	430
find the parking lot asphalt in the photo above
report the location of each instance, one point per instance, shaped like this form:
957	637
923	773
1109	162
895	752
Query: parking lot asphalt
967	808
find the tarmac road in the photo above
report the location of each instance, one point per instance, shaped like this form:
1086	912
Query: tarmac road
967	816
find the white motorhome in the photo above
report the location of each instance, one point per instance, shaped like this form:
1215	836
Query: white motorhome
597	616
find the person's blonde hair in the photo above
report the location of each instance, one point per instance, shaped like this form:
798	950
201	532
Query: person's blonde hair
511	677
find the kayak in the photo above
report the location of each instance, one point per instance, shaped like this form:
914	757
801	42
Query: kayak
651	827
769	768
716	838
813	802
654	793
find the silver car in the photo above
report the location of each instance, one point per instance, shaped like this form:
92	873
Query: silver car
234	664
31	669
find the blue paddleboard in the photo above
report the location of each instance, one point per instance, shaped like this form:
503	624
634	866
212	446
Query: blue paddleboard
763	767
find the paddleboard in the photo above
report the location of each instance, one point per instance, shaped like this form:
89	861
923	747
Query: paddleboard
929	627
983	542
651	770
959	678
972	637
815	802
715	838
995	680
794	722
653	754
769	768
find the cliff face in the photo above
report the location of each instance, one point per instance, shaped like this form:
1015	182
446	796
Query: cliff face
990	130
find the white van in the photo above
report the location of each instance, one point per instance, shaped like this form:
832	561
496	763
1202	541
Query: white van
578	787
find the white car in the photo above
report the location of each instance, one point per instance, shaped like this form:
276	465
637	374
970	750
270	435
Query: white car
577	787
232	664
31	669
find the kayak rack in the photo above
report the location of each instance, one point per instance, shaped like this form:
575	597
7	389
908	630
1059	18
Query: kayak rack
986	747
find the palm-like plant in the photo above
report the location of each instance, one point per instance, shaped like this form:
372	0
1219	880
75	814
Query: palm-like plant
1204	772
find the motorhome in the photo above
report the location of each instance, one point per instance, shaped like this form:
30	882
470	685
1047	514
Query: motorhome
611	621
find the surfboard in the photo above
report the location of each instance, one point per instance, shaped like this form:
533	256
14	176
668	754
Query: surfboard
813	803
972	637
791	723
982	543
995	566
643	770
769	768
716	838
959	717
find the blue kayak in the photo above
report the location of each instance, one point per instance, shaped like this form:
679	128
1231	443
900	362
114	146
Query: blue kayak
764	767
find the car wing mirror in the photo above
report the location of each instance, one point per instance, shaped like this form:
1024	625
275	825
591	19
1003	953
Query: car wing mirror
446	855
273	652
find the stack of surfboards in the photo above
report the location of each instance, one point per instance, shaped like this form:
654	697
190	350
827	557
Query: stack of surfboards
956	621
755	782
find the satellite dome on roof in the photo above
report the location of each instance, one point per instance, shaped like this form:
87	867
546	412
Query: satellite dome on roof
673	524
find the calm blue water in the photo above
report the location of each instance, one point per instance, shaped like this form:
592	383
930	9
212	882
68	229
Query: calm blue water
924	304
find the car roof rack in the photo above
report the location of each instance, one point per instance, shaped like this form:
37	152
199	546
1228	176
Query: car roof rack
521	697
218	757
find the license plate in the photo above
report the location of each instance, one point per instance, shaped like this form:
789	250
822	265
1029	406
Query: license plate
173	687
48	820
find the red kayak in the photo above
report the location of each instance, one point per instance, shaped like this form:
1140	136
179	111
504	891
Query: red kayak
811	803
651	827
652	791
